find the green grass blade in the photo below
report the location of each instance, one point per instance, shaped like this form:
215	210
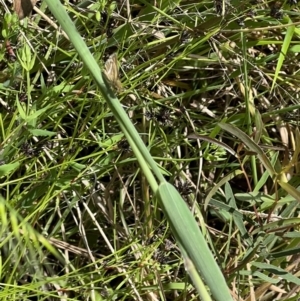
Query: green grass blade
220	184
127	127
277	271
290	190
285	46
239	222
190	268
251	145
189	237
192	241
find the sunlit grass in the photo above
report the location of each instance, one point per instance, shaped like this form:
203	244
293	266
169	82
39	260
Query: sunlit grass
79	220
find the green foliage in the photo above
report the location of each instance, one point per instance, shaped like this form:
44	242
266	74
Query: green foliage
184	185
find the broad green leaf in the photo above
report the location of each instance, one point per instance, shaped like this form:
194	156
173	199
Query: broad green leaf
192	241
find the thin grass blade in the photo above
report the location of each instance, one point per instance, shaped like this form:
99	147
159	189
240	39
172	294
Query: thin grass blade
285	46
251	145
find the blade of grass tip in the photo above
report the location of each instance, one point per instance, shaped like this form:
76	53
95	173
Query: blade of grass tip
263	179
251	145
285	46
192	241
127	127
212	140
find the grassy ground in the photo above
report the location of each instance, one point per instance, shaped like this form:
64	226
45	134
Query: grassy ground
76	223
